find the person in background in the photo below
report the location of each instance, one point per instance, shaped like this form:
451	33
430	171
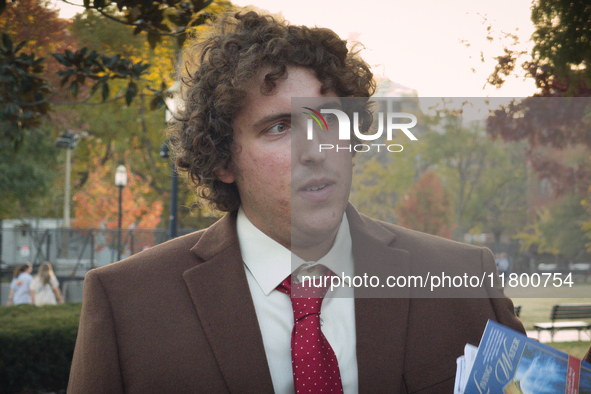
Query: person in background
503	264
20	292
45	287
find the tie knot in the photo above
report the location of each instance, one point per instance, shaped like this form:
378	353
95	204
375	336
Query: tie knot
306	297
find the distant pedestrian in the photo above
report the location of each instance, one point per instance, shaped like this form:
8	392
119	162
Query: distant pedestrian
20	287
46	287
503	264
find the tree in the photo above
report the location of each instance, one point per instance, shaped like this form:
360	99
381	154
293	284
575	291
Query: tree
485	181
132	130
28	158
426	207
549	125
50	32
381	178
560	57
96	202
26	94
483	177
378	184
22	179
559	65
555	120
97	206
562	37
558	230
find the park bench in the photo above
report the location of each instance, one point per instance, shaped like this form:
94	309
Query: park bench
567	312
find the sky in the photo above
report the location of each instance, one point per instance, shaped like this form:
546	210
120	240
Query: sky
431	46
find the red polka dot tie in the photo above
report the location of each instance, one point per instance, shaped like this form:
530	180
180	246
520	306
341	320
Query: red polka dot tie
314	363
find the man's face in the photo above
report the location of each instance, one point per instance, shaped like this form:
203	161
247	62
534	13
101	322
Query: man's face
292	192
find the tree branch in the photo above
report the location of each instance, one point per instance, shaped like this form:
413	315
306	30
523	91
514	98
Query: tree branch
133	24
74	4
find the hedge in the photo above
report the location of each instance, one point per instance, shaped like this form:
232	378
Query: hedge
36	347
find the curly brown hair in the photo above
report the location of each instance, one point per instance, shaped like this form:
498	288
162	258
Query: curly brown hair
217	71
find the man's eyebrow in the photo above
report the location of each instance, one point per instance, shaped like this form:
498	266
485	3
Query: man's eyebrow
272	118
330	105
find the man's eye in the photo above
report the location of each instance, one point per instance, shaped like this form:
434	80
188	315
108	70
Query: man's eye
279	128
330	118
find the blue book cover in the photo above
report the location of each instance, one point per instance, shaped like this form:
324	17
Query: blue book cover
508	362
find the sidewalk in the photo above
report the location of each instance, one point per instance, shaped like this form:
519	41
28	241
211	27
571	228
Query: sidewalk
560	336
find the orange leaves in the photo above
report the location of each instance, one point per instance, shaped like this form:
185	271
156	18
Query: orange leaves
97	203
426	207
37	23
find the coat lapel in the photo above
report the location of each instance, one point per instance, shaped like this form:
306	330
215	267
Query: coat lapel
220	293
381	323
221	296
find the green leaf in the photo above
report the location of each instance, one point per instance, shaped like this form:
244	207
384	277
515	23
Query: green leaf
74	88
130	93
19	46
94	88
175	18
153	39
61	59
7	42
105	90
64	80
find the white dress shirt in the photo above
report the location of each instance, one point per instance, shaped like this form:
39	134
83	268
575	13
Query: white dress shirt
267	264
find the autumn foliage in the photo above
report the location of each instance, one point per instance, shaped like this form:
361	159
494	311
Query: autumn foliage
97	202
37	23
426	207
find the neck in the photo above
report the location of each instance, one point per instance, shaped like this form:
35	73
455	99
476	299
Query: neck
314	250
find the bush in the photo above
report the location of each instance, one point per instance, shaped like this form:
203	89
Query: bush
36	347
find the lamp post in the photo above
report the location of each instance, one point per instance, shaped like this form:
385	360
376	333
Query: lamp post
170	111
174	187
121	181
68	141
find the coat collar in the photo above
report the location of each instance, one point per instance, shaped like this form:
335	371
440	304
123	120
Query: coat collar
221	296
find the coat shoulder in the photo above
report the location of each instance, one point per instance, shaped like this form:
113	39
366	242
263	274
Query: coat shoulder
405	236
430	253
172	255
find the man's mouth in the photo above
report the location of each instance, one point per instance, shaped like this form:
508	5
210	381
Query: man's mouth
317	190
314	188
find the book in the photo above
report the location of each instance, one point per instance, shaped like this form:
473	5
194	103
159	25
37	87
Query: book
508	362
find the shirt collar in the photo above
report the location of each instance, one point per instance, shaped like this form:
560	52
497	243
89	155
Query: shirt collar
270	263
339	258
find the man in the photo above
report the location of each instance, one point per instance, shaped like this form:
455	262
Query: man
208	312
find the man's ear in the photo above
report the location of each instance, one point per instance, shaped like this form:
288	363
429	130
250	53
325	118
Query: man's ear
225	175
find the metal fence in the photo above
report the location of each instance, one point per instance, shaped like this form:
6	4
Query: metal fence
73	252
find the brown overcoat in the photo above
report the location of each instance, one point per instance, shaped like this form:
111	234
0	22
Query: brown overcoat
179	318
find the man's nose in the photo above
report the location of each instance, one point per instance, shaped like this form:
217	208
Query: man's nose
308	147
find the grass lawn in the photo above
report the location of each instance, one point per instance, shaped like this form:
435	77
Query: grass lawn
537	310
576	349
